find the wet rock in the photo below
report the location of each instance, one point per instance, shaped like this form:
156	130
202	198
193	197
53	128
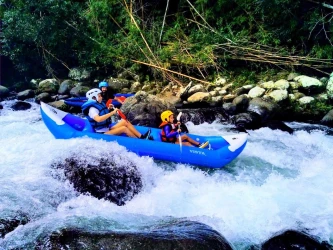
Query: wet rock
43	97
277	125
251	120
229	108
79	91
9	223
328	119
199	97
294	240
185	92
48	85
117	84
145	109
21	106
175	235
248	120
26	94
241	102
266	109
65	87
310	85
108	178
199	116
4	92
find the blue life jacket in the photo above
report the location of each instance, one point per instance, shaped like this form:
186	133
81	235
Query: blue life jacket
103	110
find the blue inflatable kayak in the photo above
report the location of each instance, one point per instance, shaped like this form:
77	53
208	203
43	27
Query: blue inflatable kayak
78	101
221	151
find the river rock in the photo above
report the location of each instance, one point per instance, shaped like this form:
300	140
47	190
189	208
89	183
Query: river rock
199	116
279	95
241	102
117	84
310	85
175	235
265	108
144	109
306	100
12	221
21	106
43	97
109	178
329	87
48	85
328	119
199	97
256	92
79	90
183	94
26	94
3	91
294	240
65	87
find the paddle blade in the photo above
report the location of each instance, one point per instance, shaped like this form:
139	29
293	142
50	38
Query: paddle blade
178	116
109	102
180	143
121	114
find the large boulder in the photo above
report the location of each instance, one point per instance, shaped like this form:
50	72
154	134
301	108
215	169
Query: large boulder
48	85
110	177
21	106
65	87
4	92
11	220
118	84
310	85
265	108
329	87
294	240
26	94
79	91
145	109
169	234
328	119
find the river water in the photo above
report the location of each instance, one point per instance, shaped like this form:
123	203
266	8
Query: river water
279	182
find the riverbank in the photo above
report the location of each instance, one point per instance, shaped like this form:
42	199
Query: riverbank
283	96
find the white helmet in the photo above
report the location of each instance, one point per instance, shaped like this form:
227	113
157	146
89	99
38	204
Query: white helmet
93	93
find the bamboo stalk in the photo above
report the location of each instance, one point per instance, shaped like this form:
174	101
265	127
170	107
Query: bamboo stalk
171	71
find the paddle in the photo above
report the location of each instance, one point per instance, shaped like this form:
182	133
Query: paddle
179	137
121	114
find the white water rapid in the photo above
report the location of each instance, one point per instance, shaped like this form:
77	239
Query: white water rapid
279	182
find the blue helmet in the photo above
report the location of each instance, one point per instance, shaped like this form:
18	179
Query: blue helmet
103	84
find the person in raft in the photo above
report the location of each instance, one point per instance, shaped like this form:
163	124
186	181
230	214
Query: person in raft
107	93
99	117
170	132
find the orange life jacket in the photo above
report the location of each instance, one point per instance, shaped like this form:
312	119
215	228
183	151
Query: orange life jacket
173	129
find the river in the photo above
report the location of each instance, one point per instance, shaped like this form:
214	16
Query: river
280	181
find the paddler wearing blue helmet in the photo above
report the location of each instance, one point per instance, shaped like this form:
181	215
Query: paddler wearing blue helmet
107	92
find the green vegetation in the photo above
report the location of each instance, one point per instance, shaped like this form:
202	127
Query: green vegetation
311	111
170	39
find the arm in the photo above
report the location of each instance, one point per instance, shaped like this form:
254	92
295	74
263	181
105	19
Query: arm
99	118
168	133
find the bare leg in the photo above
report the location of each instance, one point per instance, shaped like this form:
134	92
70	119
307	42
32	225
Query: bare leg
119	130
187	141
129	126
